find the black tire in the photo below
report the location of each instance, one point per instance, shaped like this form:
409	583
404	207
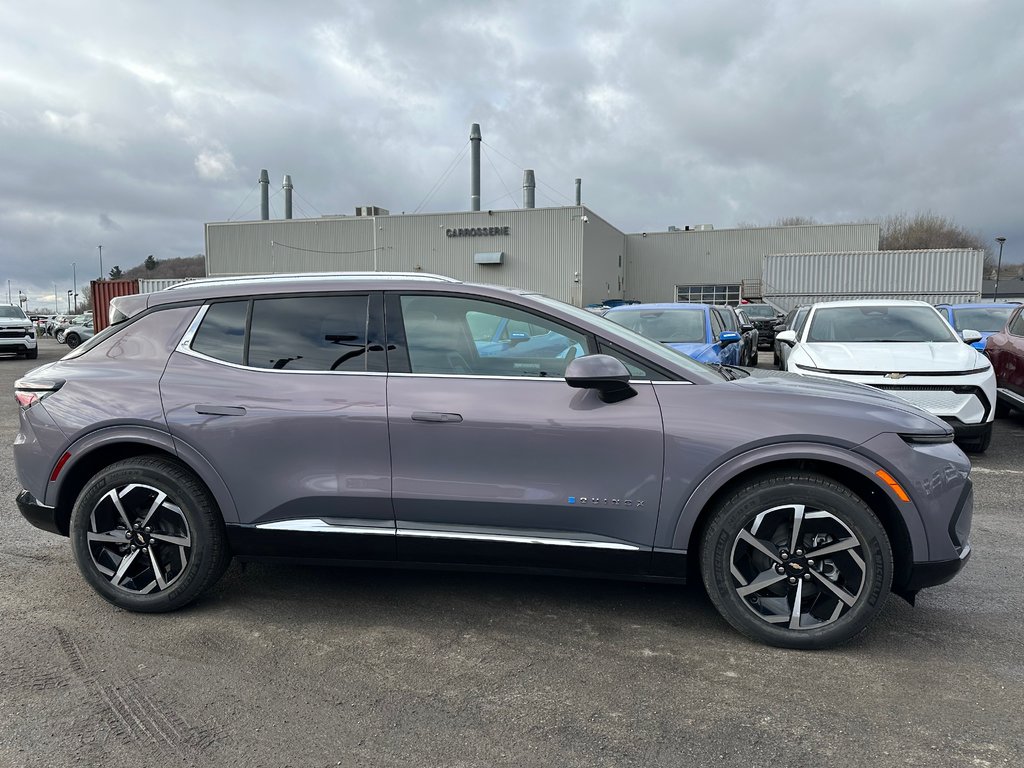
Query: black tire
776	361
977	443
753	359
32	354
840	592
72	340
186	537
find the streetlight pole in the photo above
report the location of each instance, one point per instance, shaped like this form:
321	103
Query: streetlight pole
101	260
999	267
74	278
56	306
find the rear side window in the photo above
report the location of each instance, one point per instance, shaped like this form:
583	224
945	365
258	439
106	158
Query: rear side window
222	334
309	333
1017	326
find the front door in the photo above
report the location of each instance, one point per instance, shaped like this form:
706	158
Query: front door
496	460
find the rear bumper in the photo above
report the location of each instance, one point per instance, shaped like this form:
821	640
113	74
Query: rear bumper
41	516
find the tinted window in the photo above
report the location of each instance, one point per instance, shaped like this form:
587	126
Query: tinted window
448	334
728	319
222	333
759	311
984	319
716	325
637	369
11	312
309	333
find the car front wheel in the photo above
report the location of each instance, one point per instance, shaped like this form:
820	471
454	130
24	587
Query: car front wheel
796	560
147	535
72	340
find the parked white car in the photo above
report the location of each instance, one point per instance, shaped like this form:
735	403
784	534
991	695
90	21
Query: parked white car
906	348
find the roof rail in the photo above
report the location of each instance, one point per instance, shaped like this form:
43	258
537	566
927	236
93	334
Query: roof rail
309	276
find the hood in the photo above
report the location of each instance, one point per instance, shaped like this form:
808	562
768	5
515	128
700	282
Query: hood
885	357
864	398
699	351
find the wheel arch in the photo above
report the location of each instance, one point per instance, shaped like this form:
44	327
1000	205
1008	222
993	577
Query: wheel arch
104	447
856	475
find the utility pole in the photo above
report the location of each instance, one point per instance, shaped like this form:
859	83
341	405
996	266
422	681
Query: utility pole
999	267
101	260
56	306
74	277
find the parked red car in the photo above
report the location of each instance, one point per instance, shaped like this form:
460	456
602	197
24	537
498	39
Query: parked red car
1005	349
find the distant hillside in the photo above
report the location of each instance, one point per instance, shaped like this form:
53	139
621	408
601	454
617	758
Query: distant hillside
186	266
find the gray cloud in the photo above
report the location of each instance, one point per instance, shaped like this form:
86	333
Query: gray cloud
132	129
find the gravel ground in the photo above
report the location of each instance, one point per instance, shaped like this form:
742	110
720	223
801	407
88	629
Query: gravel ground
304	666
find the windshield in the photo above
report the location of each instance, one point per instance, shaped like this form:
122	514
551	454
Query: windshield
12	312
669	326
758	311
984	319
878	323
655	352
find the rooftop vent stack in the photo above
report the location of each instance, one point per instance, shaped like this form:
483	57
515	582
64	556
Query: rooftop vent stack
474	174
529	189
264	195
579	184
287	196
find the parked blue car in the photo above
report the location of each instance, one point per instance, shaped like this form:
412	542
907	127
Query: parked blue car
688	328
503	337
984	318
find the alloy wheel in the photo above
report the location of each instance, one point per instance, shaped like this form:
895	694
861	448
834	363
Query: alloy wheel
798	567
139	539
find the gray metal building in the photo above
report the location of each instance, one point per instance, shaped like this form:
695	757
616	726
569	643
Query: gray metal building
569	253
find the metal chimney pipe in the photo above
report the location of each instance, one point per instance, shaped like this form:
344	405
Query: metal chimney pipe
579	183
474	174
529	187
287	196
264	195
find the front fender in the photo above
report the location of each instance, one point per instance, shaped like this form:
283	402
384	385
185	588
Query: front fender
681	528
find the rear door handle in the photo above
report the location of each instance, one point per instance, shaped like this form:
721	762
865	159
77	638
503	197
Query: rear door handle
221	410
441	418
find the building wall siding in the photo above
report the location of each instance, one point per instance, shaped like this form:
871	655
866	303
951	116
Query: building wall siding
656	262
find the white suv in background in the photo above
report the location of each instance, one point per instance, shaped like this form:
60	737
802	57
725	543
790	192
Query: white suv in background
906	348
17	332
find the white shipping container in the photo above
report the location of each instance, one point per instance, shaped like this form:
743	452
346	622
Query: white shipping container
933	275
152	286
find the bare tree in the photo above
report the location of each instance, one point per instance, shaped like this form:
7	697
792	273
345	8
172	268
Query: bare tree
901	231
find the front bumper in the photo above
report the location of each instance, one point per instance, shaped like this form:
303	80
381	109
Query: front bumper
923	575
41	516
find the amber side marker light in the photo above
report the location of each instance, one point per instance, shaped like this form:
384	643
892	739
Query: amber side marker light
891	482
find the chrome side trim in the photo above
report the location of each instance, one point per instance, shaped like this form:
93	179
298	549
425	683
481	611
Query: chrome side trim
511	378
315	525
515	539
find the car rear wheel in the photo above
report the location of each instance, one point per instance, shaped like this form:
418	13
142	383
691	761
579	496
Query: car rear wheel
72	340
147	535
796	560
60	337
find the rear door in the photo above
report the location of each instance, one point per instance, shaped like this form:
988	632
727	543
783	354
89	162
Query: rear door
285	397
497	461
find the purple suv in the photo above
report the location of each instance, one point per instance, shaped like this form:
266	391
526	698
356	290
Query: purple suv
351	418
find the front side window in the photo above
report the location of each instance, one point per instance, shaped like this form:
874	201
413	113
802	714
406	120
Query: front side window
454	335
668	326
1017	326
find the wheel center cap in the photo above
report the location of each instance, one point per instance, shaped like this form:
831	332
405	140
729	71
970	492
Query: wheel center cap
796	567
139	539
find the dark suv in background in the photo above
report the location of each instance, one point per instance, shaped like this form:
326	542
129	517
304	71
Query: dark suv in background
764	318
370	418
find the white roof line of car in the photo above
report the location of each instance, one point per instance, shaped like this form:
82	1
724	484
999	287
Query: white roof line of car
313	276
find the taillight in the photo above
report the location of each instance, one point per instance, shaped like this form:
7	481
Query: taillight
28	392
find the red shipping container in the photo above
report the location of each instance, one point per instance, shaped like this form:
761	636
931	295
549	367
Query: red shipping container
102	292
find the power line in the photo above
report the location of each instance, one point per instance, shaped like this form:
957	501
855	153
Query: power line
275	244
443	177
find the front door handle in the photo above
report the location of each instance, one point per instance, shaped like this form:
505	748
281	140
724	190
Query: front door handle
441	418
221	410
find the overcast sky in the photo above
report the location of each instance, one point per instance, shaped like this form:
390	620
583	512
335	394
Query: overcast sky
130	124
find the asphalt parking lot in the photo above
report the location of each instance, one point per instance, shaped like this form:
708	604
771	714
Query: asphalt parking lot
304	666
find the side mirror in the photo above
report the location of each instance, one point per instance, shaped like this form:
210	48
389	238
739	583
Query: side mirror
747	327
518	336
601	372
725	338
786	337
970	336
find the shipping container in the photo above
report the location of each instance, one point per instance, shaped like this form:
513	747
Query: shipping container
949	275
152	286
102	292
